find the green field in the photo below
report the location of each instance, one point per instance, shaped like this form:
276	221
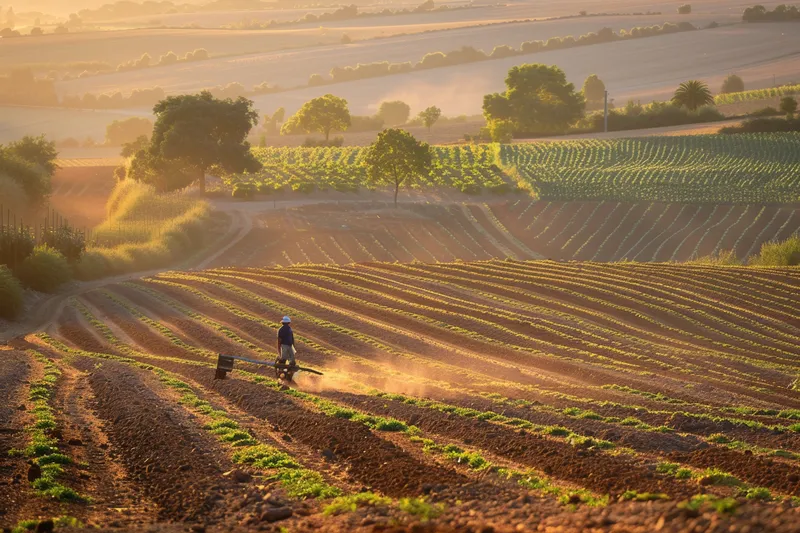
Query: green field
756	94
752	168
469	169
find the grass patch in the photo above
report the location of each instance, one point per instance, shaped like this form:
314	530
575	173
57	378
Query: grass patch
701	501
420	508
632	495
348	504
59	522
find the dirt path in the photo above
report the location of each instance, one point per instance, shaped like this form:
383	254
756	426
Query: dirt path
48	309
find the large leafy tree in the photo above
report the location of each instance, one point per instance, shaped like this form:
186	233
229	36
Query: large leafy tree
732	84
394	113
429	116
397	158
324	114
30	162
594	90
693	94
194	133
537	99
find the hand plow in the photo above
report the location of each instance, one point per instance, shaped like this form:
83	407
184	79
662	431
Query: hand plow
283	371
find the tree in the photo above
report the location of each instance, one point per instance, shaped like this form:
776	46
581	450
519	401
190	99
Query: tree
30	162
128	130
693	94
397	158
594	90
324	114
732	84
430	116
11	18
196	132
36	150
36	31
394	113
279	115
537	99
685	9
133	147
788	106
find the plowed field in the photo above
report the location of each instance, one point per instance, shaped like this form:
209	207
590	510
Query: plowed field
515	229
478	396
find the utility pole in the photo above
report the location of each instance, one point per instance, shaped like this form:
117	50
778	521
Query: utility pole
605	112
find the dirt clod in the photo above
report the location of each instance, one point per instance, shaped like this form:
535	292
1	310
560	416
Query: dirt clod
276	514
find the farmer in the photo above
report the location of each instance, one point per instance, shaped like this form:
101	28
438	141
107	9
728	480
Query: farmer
286	349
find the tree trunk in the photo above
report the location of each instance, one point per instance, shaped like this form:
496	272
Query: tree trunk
202	182
327	134
396	190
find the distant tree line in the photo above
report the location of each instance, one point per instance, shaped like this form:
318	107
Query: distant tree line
468	54
348	12
781	13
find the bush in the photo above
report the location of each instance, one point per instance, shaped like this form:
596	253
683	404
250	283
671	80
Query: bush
655	115
765	112
360	123
15	246
764	125
45	270
10	295
69	242
685	9
786	253
244	191
312	143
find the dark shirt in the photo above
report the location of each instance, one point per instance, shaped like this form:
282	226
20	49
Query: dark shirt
285	335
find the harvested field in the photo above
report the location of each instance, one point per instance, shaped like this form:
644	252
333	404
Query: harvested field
492	393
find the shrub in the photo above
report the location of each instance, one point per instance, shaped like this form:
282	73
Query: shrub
685	9
10	295
312	143
243	191
768	111
764	125
45	270
655	115
788	106
360	123
786	253
69	242
15	246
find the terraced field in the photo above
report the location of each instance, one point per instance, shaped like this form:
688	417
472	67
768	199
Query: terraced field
504	394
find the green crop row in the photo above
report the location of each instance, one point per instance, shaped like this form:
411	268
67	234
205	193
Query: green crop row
42	447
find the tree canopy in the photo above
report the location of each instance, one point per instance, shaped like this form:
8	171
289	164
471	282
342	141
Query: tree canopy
430	116
30	163
537	99
732	84
195	133
693	94
394	113
788	106
125	131
323	114
397	158
594	90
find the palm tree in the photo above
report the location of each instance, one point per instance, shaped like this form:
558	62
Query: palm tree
693	94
